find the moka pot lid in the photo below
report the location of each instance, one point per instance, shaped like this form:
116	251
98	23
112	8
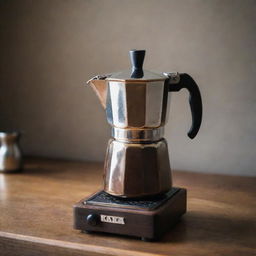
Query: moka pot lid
136	73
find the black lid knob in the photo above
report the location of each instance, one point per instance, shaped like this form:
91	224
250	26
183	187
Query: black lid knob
137	59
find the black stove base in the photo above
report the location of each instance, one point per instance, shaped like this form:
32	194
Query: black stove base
147	218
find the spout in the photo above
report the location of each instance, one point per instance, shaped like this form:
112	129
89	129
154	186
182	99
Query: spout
99	85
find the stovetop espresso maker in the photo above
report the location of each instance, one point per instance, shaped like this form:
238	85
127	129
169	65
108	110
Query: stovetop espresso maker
137	175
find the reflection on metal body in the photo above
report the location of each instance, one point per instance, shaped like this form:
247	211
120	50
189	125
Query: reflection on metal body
138	135
10	154
137	169
136	104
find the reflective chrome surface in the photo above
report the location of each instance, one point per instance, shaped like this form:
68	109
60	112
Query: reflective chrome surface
126	75
138	135
100	83
10	155
135	169
173	76
136	105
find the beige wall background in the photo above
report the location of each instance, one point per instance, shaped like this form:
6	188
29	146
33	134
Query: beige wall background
50	48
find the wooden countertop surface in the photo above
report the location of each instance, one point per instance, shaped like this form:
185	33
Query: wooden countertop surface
36	214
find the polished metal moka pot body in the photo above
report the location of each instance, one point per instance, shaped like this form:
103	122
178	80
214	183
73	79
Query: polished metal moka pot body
137	106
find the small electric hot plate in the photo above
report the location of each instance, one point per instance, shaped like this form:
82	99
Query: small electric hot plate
148	218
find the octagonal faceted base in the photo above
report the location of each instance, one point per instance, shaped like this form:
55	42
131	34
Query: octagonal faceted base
137	170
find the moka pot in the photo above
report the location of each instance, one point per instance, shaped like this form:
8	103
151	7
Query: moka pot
136	102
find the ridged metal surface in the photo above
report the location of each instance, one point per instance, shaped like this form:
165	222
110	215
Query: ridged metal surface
135	169
136	105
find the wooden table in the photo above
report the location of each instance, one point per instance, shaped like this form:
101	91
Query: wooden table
36	214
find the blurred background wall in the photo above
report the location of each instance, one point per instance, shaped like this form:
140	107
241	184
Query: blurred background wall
50	48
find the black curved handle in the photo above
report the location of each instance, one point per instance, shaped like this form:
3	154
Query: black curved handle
195	100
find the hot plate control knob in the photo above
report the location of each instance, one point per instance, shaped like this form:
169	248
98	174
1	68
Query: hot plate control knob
93	219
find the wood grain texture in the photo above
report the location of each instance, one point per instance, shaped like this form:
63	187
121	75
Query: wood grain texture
36	214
